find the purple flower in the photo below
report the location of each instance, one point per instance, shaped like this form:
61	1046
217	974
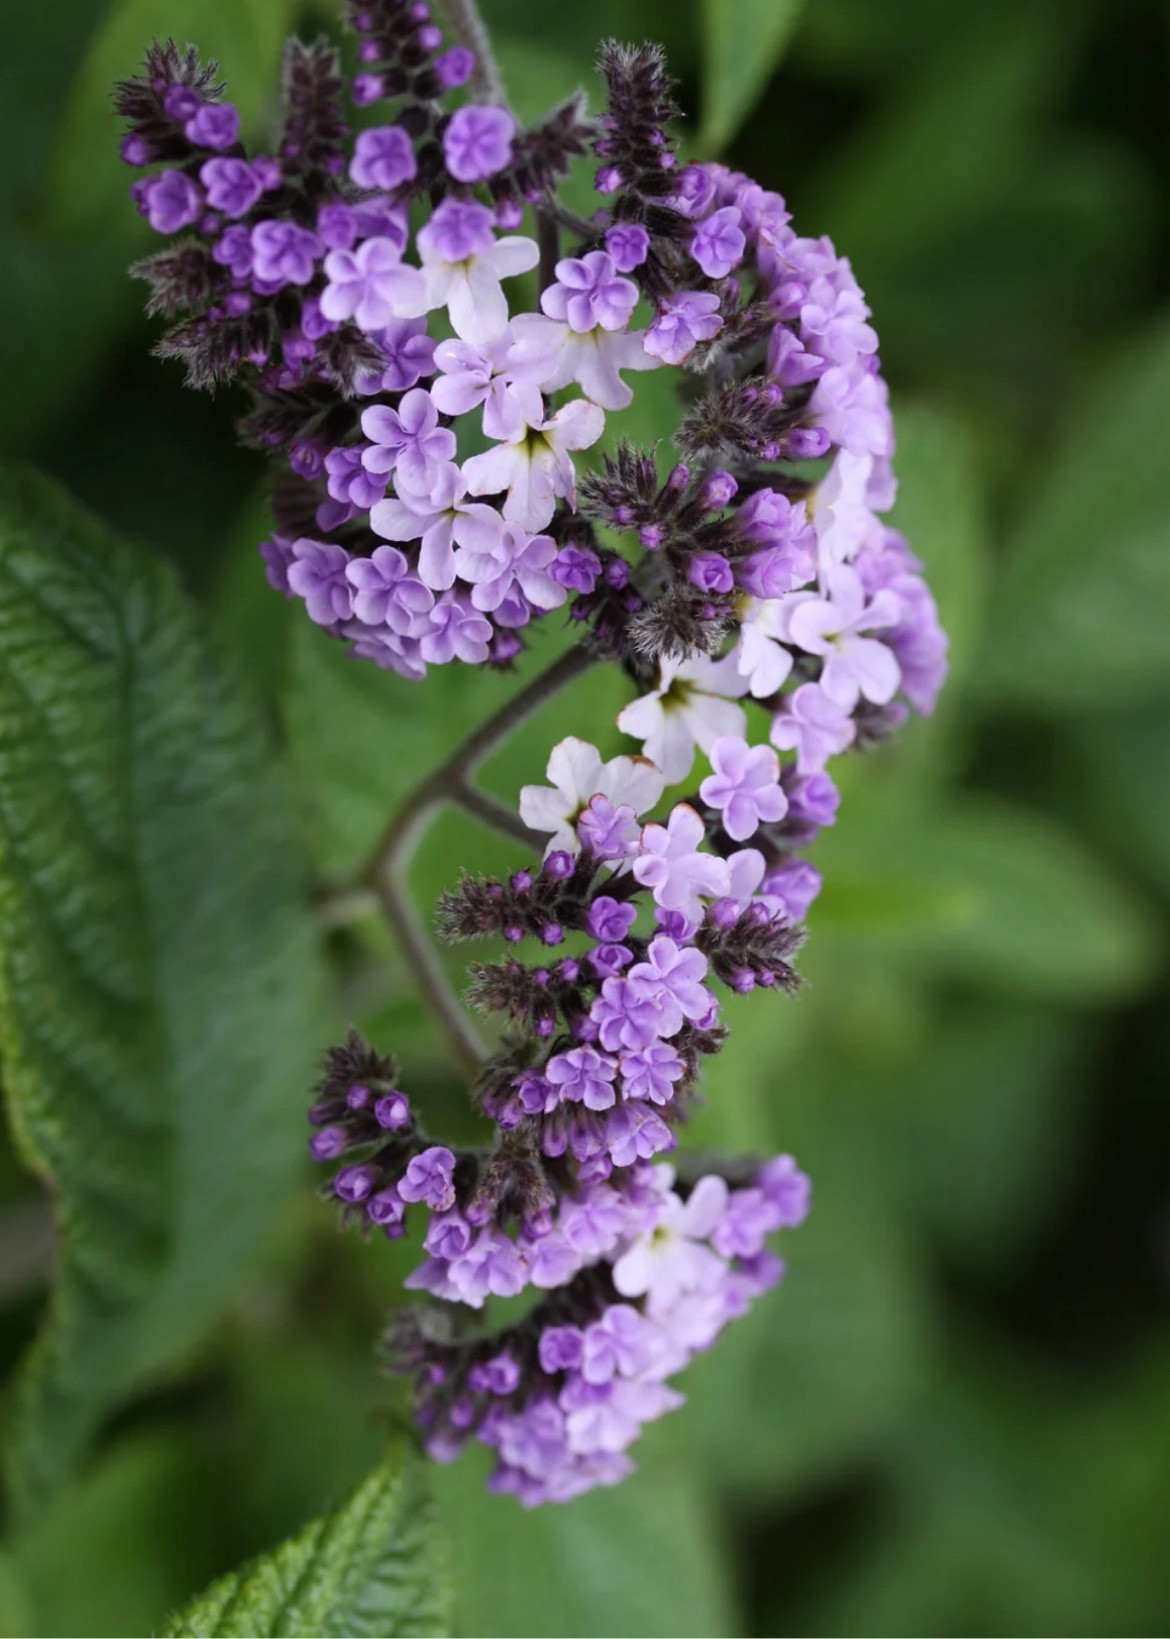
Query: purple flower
410	354
576	568
277	554
282	253
682	321
607	830
718	243
619	1344
458	229
336	226
408	440
498	1376
448	1236
745	786
589	293
634	1133
561	1348
583	1076
429	1179
388	593
788	1189
457	630
392	1111
386	1208
651	1072
355	1184
813	726
328	1143
372	285
710	572
610	920
215	125
694	191
673	976
855	666
747	1219
181	101
626	1015
791	888
478	142
455	67
629	245
172	201
233	250
383	158
670	865
491	1267
318	576
813	799
348	480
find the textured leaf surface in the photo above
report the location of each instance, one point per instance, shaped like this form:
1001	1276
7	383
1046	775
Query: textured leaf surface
742	43
1080	620
158	979
376	1565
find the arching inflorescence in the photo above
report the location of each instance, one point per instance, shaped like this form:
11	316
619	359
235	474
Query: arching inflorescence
442	395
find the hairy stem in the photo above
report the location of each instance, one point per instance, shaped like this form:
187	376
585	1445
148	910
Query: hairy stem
465	23
386	872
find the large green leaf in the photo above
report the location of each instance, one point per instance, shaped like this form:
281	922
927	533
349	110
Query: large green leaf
1080	619
376	1565
644	1557
742	42
158	982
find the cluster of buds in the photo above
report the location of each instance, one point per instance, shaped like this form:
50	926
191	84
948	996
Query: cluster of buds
427	404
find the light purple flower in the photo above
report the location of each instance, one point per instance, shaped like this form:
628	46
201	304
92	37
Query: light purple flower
388	593
629	245
457	632
718	242
172	201
347	479
442	518
812	725
282	253
232	185
318	576
626	1015
492	1267
383	158
561	1348
651	1072
620	1344
634	1133
610	919
502	374
745	786
233	250
215	125
788	1189
791	888
535	467
832	625
429	1179
407	441
410	354
478	142
448	1236
463	264
583	1076
683	320
512	579
498	1376
590	294
674	976
372	285
671	866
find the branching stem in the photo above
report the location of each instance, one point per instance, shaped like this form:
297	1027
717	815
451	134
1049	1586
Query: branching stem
386	872
467	26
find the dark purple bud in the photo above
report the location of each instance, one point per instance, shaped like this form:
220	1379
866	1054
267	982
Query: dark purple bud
521	881
509	215
182	103
710	572
216	125
719	491
723	914
329	1143
305	459
135	150
552	934
569	971
366	88
430	38
358	1096
559	865
545	1026
356	1183
607	180
617	573
455	67
679	478
806	444
743	980
513	934
392	1111
386	1207
651	536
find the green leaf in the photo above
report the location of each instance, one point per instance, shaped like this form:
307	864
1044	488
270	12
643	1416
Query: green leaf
987	892
159	982
742	42
1079	620
376	1565
644	1557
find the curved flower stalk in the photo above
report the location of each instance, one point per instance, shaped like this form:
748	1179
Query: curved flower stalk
441	394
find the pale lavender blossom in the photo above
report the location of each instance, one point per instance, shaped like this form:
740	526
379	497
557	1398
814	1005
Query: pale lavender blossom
442	519
428	1178
833	625
477	142
670	865
388	593
745	786
534	466
463	263
813	725
372	285
609	831
626	1015
682	321
583	1076
319	576
409	354
718	242
628	243
383	158
590	294
457	631
650	1072
673	976
407	441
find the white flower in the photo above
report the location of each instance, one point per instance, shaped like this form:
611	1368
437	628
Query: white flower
534	466
672	1259
840	514
578	773
694	704
592	358
463	263
758	656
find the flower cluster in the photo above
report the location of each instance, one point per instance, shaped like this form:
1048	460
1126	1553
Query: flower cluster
428	379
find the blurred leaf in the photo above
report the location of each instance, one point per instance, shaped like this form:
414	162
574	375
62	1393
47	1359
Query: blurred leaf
817	1379
641	1558
88	185
16	1618
376	1565
1079	620
158	993
1116	776
980	890
121	1544
741	43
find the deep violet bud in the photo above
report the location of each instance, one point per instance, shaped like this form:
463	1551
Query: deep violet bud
710	572
719	491
628	244
383	158
559	865
215	125
366	88
392	1111
172	201
182	102
329	1143
454	67
356	1183
609	920
561	1348
232	185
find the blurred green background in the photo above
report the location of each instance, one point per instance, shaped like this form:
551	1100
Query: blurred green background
955	1416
